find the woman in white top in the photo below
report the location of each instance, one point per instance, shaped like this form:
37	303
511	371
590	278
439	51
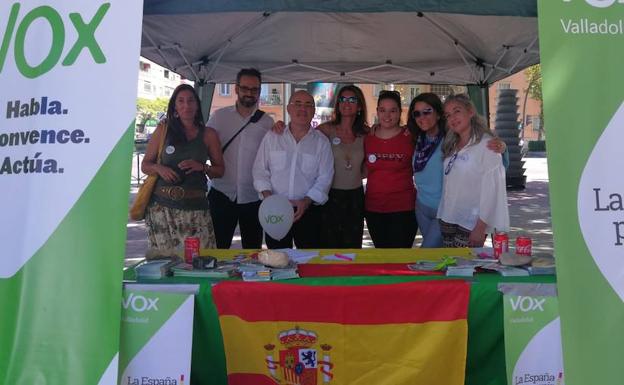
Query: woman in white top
474	196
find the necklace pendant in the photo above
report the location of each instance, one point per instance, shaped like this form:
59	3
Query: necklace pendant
348	165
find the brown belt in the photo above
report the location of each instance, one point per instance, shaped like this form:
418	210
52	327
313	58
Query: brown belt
177	193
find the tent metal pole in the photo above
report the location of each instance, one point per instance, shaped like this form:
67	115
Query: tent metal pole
264	71
408	69
497	63
368	68
341	78
306	66
157	48
485	98
479	95
448	35
247	27
287	91
205	91
213	67
450	70
474	75
179	50
524	52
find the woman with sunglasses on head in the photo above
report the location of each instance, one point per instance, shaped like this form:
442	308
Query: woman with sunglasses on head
390	193
474	196
343	214
426	123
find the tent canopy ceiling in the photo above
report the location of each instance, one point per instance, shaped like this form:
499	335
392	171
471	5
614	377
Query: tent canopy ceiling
437	42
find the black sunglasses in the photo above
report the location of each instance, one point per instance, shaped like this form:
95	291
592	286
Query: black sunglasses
348	99
425	112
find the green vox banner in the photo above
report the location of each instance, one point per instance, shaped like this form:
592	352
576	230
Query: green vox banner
581	45
156	337
68	75
532	336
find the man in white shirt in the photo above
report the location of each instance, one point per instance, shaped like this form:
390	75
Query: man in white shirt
232	197
299	165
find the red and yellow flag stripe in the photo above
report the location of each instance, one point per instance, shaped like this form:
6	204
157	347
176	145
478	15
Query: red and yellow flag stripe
407	333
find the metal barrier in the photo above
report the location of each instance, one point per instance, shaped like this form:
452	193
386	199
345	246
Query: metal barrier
139	151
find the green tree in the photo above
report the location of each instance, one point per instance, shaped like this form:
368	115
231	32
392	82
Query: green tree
148	109
534	90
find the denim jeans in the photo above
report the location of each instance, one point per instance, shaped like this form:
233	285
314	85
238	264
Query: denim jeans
429	225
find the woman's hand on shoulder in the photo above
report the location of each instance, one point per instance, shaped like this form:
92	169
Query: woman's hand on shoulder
278	127
325	128
497	145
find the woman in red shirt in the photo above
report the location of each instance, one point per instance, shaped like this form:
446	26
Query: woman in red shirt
390	194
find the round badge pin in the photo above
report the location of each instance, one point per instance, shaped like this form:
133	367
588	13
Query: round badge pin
336	141
372	158
169	150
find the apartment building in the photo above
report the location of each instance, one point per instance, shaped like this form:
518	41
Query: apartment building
156	81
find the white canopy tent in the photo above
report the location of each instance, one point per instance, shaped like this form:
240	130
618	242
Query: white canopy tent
369	41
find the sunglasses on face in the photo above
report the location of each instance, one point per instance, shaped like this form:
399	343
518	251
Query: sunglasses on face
348	99
425	112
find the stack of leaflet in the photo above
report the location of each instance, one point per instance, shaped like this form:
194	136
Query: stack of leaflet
458	266
542	266
541	270
156	268
221	271
460	271
288	272
425	266
506	271
253	271
467	267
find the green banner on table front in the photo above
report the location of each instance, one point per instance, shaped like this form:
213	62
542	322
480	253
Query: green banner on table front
532	340
156	338
68	75
582	54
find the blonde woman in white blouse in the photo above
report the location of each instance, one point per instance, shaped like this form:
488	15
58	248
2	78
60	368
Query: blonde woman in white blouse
474	196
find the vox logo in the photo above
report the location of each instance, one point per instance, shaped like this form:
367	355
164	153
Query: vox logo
599	3
525	304
273	219
139	303
16	30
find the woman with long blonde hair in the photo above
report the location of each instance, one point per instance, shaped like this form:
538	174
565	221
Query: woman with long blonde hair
474	196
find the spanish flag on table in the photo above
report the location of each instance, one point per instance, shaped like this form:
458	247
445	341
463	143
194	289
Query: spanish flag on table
405	333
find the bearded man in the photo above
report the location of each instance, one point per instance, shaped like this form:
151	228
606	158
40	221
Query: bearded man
232	197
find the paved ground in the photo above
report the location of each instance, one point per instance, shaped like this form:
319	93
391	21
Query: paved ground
529	210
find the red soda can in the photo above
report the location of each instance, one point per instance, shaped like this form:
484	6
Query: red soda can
191	249
524	246
501	244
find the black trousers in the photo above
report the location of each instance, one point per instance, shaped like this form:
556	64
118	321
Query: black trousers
343	219
392	230
305	232
226	214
